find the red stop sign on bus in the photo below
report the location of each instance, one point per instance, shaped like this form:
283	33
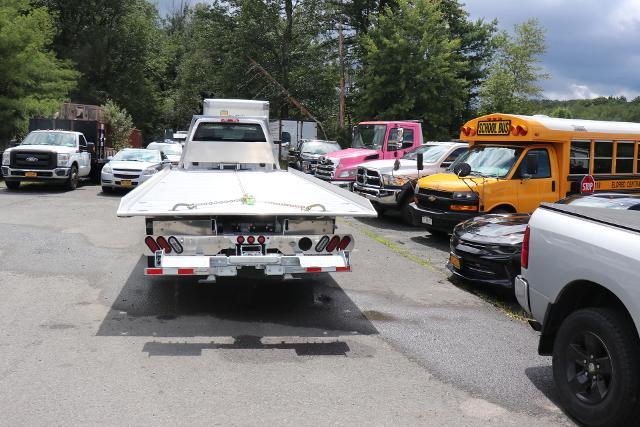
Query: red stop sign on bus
587	185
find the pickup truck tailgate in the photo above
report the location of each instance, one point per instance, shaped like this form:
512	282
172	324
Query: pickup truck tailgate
209	193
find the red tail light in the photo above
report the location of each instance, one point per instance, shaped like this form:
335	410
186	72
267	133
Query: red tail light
335	241
240	240
251	240
524	260
261	240
151	244
164	244
344	243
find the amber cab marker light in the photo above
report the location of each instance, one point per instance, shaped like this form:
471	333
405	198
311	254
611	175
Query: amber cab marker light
466	208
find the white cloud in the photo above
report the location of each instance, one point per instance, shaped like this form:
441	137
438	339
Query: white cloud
582	92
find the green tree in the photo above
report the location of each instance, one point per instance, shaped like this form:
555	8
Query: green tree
514	74
412	69
32	80
120	124
562	112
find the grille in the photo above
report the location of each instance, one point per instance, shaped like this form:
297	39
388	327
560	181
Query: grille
33	160
430	192
325	169
127	173
368	178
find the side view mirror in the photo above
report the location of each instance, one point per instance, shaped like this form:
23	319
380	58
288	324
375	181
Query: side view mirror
462	170
400	135
531	165
396	165
420	160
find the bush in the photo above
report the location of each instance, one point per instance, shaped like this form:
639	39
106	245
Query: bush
120	124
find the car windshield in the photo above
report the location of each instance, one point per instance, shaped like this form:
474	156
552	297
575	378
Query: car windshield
609	201
138	156
430	153
489	161
241	132
369	136
319	147
168	149
59	139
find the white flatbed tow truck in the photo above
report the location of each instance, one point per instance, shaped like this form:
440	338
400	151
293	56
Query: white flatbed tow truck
228	206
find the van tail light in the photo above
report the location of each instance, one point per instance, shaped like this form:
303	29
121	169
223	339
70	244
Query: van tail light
151	244
162	242
524	257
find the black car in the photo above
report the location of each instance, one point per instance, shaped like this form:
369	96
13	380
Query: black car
486	249
305	157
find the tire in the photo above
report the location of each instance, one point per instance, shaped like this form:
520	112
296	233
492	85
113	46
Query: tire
613	399
107	190
12	185
405	211
501	211
73	180
379	208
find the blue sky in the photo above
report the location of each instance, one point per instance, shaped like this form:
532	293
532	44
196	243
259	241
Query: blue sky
593	45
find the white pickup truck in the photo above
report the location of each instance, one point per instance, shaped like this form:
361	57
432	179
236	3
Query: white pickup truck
48	156
581	283
228	207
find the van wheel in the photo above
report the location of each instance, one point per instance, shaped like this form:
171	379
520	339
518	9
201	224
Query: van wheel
595	368
12	185
72	181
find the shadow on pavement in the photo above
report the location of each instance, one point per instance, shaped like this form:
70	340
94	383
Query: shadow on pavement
44	188
244	308
388	221
542	378
433	241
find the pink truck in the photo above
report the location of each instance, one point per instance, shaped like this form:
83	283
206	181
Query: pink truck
371	141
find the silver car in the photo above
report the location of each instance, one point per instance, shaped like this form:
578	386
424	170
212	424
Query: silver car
172	150
131	167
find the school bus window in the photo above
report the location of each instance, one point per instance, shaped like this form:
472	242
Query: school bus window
579	157
544	167
603	157
624	157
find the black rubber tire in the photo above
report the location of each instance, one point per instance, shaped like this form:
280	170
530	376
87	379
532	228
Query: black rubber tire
12	185
73	180
405	211
379	208
621	403
107	190
500	211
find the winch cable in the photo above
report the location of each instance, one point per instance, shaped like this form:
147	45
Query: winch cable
248	199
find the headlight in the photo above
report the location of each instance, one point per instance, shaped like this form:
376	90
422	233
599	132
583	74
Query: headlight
465	195
393	180
63	159
349	173
5	157
149	172
107	168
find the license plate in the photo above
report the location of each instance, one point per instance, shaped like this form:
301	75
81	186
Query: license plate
455	261
31	174
126	183
427	220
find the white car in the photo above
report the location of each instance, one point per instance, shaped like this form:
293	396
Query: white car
48	156
173	151
131	167
389	188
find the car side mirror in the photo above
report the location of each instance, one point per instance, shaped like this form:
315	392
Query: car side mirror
462	169
400	135
531	165
420	160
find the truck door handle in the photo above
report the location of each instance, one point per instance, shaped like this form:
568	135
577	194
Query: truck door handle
553	186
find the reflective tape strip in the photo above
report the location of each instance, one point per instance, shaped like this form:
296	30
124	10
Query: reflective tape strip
153	271
185	271
348	268
327	269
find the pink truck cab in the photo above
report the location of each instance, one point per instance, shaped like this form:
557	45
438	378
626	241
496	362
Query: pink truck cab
371	141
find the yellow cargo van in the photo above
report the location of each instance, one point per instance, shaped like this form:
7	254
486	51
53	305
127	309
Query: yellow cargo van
516	162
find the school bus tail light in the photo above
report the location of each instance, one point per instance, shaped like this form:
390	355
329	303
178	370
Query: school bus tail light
519	130
468	131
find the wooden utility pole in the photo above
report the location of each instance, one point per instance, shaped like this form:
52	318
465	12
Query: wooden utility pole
291	99
342	82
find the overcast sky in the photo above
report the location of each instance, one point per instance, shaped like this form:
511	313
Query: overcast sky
593	45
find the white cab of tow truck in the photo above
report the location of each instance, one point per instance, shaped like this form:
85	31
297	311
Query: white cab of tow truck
229	207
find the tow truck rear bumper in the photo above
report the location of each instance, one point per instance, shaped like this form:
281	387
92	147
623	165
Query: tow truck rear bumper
222	265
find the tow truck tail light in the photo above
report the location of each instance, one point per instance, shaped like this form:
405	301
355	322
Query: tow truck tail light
251	240
524	260
344	243
261	240
175	245
322	244
151	244
162	242
333	244
240	240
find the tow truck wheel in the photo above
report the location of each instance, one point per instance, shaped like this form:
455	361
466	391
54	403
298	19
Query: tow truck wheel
12	185
595	368
72	181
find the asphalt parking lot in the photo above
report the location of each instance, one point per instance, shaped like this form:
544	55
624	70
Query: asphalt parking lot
85	338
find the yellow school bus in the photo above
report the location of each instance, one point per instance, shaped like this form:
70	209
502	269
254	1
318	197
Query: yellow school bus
516	162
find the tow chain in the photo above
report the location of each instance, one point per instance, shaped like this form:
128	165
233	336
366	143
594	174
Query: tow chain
246	199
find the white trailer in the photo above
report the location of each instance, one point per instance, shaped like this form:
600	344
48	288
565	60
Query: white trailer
293	131
228	206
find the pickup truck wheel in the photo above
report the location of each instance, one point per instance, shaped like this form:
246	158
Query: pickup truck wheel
12	185
595	368
72	181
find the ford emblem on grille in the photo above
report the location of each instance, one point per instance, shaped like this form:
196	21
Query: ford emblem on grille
432	198
31	159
